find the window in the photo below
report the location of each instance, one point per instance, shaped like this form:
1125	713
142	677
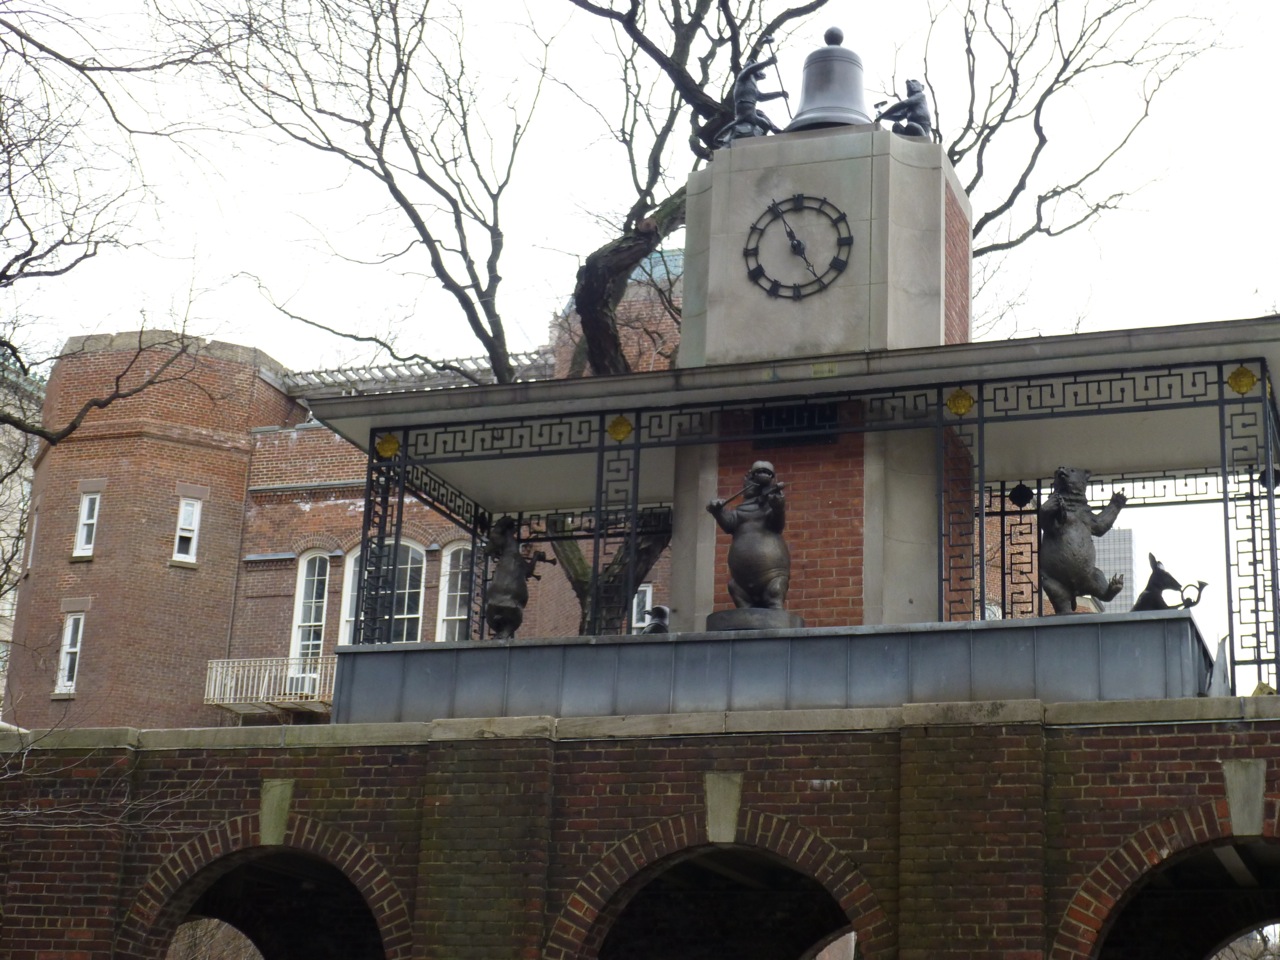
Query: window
87	525
309	606
641	604
406	613
184	542
454	608
29	553
308	623
411	578
69	655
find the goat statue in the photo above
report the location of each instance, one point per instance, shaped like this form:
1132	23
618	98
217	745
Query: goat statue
1152	595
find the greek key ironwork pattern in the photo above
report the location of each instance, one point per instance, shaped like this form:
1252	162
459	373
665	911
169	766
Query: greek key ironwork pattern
445	499
962	591
1249	469
543	527
1101	392
481	440
377	574
987	547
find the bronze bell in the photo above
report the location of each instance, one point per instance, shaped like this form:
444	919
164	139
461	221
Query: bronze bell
831	93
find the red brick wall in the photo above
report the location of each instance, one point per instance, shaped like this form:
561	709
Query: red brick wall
958	265
151	626
824	529
999	840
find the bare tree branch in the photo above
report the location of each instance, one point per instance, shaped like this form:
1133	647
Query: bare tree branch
384	88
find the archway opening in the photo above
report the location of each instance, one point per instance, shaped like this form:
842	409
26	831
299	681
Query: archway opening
723	903
206	939
1261	943
1193	905
290	904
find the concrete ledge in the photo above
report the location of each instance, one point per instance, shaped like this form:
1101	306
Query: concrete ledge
1239	710
1198	710
975	714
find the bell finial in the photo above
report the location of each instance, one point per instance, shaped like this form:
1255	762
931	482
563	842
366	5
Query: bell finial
831	93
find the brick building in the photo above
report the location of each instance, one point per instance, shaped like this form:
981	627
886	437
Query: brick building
192	548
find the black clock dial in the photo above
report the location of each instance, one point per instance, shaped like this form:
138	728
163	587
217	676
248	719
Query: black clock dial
798	246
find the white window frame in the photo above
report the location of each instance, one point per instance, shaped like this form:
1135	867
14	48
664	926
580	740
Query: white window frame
87	524
406	601
30	549
641	604
309	611
189	509
453	606
347	609
69	653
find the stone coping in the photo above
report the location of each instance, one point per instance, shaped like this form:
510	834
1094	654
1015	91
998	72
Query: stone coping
707	636
860	720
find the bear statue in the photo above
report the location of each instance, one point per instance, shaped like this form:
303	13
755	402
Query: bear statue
1068	567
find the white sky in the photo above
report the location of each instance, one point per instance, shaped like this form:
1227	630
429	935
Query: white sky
1196	243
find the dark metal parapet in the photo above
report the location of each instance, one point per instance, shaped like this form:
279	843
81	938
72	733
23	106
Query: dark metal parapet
1148	656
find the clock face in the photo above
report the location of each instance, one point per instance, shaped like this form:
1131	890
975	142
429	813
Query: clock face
798	246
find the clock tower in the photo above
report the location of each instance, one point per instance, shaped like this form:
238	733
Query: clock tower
831	241
828	239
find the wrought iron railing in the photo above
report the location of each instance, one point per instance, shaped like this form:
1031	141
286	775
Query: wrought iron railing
271	682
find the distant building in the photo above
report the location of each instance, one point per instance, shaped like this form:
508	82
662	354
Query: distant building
1114	552
192	550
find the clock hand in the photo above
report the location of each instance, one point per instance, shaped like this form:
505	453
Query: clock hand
797	245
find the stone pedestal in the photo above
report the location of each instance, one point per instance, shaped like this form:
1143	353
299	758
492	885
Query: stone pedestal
754	618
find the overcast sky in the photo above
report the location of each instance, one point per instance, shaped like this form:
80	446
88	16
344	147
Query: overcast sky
1196	243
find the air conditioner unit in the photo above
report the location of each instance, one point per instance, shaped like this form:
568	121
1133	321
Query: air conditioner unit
301	684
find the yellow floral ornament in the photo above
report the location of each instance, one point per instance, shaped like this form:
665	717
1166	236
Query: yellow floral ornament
960	402
1242	380
620	428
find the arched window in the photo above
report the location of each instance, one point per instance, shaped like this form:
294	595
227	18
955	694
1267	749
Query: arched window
406	608
309	605
454	608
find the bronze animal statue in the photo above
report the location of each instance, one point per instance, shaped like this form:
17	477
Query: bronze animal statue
1152	595
508	591
759	561
912	114
748	119
1068	566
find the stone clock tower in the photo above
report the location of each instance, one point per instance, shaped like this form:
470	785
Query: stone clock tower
834	238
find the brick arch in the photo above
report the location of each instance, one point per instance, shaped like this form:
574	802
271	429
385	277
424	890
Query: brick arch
315	541
580	928
163	902
1096	898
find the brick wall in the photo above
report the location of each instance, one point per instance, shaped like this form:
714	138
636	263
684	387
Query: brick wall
958	264
979	832
824	529
150	623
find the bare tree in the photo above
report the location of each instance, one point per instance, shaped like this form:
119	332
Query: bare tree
696	47
384	89
1025	179
1021	67
1260	944
70	188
